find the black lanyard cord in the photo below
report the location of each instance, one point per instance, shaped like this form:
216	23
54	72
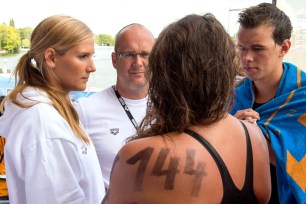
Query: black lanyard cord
126	108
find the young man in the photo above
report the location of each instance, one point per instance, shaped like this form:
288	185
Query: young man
273	95
112	115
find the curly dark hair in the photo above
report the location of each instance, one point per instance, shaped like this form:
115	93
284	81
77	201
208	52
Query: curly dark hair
191	72
266	13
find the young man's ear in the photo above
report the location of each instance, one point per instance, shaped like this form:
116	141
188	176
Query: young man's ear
50	57
285	47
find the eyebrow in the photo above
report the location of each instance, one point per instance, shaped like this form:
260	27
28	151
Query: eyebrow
142	51
254	45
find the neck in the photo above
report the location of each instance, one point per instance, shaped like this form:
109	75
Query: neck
265	89
134	93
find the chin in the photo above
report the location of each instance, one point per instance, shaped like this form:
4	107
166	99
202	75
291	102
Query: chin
80	88
253	78
138	85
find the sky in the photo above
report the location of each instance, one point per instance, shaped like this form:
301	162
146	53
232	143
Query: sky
109	16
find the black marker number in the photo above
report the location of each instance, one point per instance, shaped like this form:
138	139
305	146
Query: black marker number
143	156
198	172
170	172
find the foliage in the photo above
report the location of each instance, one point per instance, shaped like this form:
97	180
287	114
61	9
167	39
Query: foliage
12	23
25	43
25	36
12	39
105	39
9	39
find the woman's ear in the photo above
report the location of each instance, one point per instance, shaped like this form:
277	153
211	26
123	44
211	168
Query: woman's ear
50	57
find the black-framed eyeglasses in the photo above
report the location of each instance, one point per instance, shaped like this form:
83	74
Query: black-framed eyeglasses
132	55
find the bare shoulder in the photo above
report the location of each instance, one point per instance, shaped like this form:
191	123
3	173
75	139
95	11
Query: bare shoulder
130	168
154	170
258	141
261	163
255	133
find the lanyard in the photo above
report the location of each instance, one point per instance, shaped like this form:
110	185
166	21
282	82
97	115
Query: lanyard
126	108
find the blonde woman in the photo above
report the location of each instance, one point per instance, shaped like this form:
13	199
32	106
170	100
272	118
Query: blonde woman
48	156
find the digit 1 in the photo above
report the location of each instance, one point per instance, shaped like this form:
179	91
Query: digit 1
143	156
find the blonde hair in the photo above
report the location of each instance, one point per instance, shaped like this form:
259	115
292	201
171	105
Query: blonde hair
61	33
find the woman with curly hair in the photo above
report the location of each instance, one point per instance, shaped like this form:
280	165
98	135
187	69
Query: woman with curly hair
189	149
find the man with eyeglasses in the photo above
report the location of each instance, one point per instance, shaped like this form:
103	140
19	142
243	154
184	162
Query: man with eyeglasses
112	115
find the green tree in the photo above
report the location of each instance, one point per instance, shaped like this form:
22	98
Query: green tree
25	36
12	22
25	43
105	39
9	39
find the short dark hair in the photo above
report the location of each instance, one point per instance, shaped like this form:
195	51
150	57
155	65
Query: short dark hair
269	14
192	68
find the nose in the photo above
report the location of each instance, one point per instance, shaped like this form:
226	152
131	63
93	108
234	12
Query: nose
247	55
91	66
138	60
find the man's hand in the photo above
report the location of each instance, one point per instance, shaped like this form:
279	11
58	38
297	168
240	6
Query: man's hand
247	114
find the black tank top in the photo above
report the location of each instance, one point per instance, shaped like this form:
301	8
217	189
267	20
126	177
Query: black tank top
231	194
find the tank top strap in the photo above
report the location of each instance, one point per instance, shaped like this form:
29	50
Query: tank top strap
248	183
225	175
231	194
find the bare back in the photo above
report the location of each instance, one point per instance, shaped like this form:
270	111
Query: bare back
181	170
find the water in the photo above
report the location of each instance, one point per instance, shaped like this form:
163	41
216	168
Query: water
104	76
